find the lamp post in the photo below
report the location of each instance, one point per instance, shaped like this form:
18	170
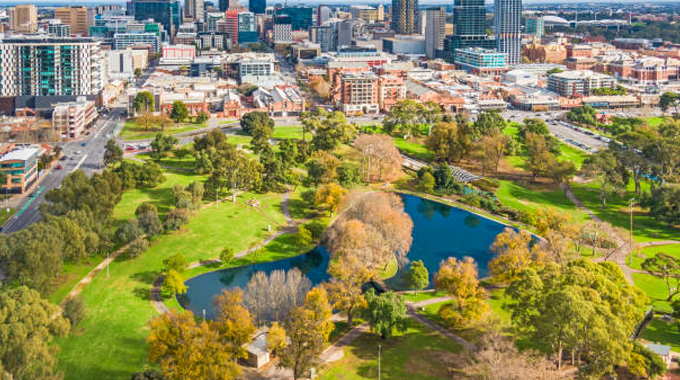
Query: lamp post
379	347
631	202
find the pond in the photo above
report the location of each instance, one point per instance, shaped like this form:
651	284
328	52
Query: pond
439	232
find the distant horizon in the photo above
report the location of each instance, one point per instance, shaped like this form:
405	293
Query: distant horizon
47	3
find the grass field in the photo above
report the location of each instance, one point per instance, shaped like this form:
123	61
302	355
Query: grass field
71	274
658	331
671	249
5	215
288	132
110	342
645	227
131	131
655	121
417	353
528	198
656	290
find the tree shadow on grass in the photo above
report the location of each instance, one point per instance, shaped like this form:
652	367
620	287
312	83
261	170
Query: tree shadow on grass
147	277
142	292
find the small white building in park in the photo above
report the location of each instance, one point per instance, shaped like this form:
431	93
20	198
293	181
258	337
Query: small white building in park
661	350
258	354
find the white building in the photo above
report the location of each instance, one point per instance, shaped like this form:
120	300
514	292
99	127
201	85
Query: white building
70	119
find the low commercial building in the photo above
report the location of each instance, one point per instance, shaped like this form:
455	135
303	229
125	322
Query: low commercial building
580	82
612	101
279	101
72	118
254	70
179	52
411	45
482	62
305	51
20	167
123	40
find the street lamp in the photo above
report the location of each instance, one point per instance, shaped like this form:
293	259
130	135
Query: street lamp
379	347
631	202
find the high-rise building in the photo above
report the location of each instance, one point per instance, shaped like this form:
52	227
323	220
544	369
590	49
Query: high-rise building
326	36
534	25
323	14
122	40
212	18
257	6
469	19
508	29
23	18
405	16
231	17
77	18
193	10
299	18
45	66
165	12
58	29
435	31
246	28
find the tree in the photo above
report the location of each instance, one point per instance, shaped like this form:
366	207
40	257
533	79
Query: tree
302	352
144	102
670	100
381	159
74	310
329	197
179	111
27	326
385	313
161	145
667	268
226	255
138	72
540	156
459	279
344	288
561	171
535	126
664	204
276	338
490	150
430	114
150	224
488	123
583	308
444	141
148	374
113	154
426	183
289	152
404	118
174	283
316	301
270	297
322	168
515	252
176	262
333	131
649	363
261	134
137	247
303	238
239	173
175	218
128	231
187	351
604	168
255	119
311	120
202	117
418	277
234	323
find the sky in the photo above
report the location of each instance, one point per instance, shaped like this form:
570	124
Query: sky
83	2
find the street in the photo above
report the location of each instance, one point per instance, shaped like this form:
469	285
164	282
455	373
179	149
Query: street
89	160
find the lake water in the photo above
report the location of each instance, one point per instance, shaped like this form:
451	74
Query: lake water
439	232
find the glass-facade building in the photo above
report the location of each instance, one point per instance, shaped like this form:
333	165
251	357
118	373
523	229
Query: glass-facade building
246	28
165	12
469	20
299	18
257	6
405	16
508	28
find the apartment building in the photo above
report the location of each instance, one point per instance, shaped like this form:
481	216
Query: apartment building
79	19
71	119
390	91
358	93
21	169
482	62
23	18
579	82
121	41
46	66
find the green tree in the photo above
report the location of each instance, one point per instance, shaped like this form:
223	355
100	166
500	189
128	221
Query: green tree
179	111
289	152
128	231
256	118
27	326
430	114
488	122
667	268
664	203
144	102
349	174
33	256
540	156
333	131
303	238
161	145
670	100
74	310
202	117
227	255
426	183
239	173
176	262
138	72
150	223
404	118
174	283
112	153
385	313
418	277
444	142
604	168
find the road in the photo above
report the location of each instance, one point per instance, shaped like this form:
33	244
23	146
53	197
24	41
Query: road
89	160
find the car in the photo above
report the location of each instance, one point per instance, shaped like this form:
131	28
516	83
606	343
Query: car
59	167
83	144
63	158
130	147
78	152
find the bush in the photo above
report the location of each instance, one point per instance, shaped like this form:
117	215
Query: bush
227	255
128	232
74	310
149	374
137	247
303	238
317	229
176	218
146	207
488	185
150	223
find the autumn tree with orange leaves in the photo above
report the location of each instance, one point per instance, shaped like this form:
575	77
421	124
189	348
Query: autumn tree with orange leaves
380	158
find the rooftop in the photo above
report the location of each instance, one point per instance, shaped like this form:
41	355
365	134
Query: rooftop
19	154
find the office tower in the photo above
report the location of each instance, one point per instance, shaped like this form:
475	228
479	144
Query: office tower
381	12
58	29
193	10
435	31
405	16
45	66
223	5
122	40
508	29
257	6
231	17
323	14
326	36
23	18
469	20
76	18
534	25
345	33
165	12
299	18
364	12
246	28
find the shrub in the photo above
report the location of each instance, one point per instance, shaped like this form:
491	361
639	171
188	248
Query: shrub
150	223
146	207
317	229
74	310
176	218
128	232
137	247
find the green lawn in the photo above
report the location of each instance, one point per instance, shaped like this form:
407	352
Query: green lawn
424	295
655	121
645	227
5	215
187	162
131	131
658	331
418	353
288	132
71	274
569	153
656	290
414	148
528	198
110	342
671	249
